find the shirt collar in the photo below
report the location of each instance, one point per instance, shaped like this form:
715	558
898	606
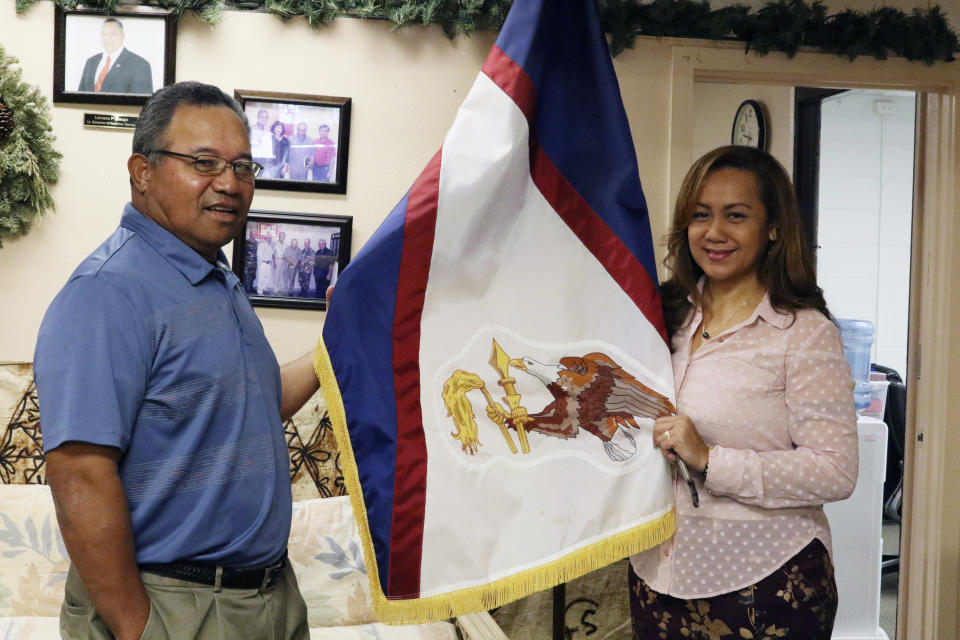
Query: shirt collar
764	310
174	250
113	56
773	317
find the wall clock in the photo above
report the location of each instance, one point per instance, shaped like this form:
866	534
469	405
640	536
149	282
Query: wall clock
749	126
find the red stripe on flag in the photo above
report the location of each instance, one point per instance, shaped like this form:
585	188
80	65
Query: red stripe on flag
599	239
410	479
590	228
511	77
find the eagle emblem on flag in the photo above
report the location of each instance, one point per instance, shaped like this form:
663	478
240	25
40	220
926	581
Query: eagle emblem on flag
592	393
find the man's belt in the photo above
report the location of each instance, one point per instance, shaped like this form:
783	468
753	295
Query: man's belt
253	578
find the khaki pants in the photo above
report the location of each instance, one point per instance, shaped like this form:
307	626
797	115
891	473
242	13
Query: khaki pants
182	610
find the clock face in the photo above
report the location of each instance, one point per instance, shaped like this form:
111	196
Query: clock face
749	128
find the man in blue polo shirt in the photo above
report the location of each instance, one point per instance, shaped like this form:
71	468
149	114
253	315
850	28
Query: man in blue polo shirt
162	402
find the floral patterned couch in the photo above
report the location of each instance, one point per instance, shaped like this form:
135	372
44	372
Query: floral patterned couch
324	545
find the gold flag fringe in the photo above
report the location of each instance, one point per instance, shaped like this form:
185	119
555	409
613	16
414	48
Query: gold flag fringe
492	594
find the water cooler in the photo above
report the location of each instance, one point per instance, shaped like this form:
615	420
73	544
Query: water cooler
855	523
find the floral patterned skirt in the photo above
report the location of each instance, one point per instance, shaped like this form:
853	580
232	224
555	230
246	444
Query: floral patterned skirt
798	601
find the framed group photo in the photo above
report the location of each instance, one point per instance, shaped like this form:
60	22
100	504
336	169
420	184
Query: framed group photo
301	140
120	57
289	259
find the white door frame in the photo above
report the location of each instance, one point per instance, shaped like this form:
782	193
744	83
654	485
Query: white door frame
929	604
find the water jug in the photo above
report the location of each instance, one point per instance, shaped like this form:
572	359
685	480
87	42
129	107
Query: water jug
857	342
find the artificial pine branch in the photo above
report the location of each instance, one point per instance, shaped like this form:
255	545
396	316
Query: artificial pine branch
316	12
847	34
780	25
368	9
930	36
888	34
723	22
6	121
616	16
28	161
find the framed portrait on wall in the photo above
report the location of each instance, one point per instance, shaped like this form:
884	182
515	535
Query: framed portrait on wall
120	57
289	259
302	141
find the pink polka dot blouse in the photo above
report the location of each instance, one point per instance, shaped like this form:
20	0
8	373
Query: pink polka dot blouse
773	398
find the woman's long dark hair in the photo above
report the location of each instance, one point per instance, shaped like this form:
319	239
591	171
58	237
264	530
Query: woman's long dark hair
786	268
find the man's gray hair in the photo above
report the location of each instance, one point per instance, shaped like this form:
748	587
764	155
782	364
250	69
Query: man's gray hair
158	111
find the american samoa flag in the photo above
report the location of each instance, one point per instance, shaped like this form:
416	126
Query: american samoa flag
494	356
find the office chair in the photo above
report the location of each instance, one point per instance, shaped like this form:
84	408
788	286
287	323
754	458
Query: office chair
895	416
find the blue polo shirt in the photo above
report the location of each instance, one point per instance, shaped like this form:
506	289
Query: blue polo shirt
151	349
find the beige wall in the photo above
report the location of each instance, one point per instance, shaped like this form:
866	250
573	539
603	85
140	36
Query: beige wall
406	87
715	104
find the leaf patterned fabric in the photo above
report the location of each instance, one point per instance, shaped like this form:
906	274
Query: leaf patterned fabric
798	601
314	456
33	560
324	549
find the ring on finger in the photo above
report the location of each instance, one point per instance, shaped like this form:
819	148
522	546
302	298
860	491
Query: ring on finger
666	434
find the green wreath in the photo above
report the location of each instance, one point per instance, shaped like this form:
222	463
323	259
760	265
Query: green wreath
28	161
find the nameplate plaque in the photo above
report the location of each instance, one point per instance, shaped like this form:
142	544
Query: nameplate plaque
109	121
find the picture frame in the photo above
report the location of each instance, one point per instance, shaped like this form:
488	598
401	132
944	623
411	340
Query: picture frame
146	61
313	139
261	269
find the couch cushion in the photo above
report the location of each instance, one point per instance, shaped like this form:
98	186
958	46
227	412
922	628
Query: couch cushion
325	551
312	448
327	557
435	631
21	457
33	560
38	628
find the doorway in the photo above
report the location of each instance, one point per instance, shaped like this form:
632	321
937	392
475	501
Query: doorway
857	195
929	581
851	153
854	166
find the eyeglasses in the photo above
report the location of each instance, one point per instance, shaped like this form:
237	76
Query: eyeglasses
215	165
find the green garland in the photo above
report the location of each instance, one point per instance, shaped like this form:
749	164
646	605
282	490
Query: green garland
28	161
780	25
786	25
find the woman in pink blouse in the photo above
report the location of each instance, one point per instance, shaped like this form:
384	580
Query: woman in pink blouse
765	415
